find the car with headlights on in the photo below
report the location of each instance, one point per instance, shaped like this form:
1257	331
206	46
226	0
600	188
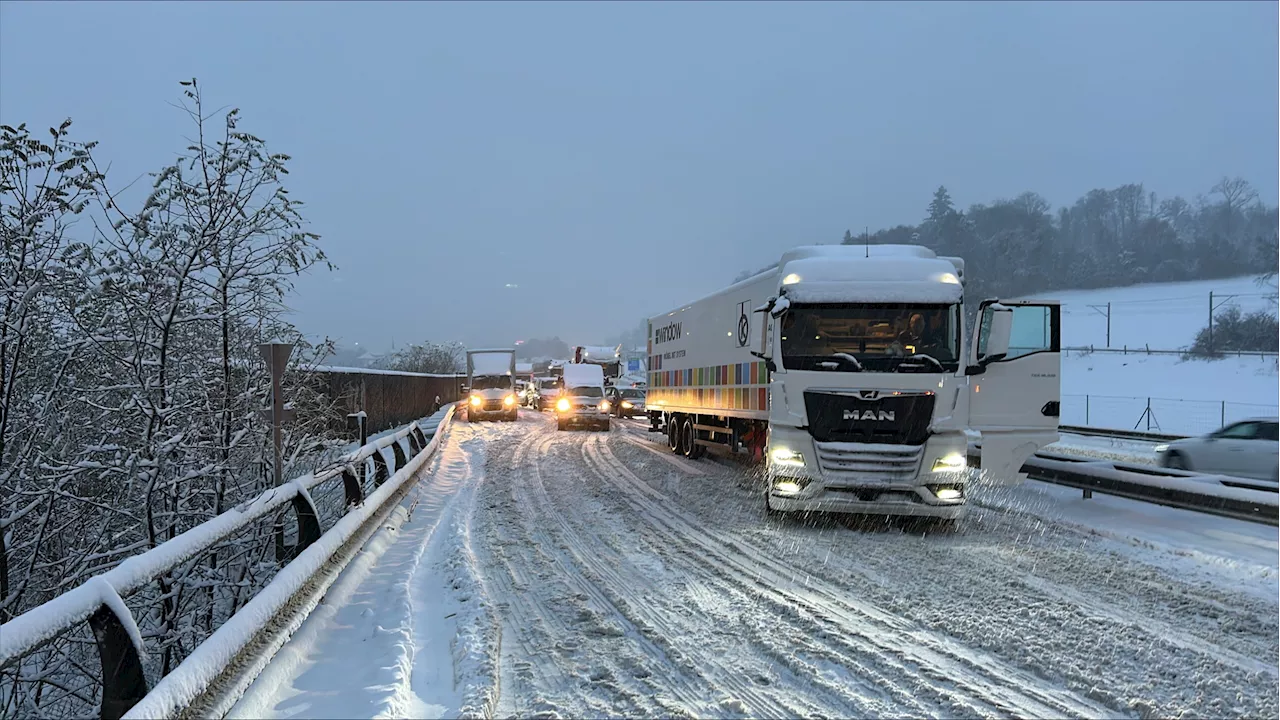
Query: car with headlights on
1248	448
582	400
626	402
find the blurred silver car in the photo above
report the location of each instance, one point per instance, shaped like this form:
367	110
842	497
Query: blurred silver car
1248	448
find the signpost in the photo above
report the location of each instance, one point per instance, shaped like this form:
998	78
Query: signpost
276	355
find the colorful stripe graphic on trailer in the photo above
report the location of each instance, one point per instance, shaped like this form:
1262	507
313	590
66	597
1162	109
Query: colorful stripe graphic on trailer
740	386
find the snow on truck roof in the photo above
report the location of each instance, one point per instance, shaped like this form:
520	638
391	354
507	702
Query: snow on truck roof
901	277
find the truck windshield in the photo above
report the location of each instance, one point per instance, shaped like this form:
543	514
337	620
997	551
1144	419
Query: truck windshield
549	384
591	392
880	337
491	382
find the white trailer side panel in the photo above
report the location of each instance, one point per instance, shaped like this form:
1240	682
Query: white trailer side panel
700	357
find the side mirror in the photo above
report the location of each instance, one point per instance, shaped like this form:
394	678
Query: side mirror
768	361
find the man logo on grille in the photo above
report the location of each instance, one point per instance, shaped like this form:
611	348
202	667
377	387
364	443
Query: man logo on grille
744	324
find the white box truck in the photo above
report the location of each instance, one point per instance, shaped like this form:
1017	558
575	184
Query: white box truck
491	383
581	400
847	369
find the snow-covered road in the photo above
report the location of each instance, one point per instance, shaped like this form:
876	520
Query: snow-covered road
576	574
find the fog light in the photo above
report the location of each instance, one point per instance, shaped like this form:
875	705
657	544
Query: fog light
951	462
786	457
1162	448
787	487
949	493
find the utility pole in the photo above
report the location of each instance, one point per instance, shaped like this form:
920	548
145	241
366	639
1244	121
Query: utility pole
1212	308
276	355
1098	309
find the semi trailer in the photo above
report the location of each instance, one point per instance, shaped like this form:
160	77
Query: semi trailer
491	379
848	371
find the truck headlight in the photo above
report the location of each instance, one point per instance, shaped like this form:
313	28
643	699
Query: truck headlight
951	462
786	457
475	400
626	405
1161	448
562	405
509	400
604	406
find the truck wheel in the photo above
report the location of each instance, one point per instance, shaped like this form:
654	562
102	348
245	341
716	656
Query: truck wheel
686	438
673	434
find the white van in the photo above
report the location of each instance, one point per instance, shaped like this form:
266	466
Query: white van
582	400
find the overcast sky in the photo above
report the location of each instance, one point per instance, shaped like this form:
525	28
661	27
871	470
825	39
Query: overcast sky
615	160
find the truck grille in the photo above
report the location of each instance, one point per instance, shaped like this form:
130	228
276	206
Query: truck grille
882	418
862	464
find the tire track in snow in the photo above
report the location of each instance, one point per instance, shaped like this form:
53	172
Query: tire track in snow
978	682
654	628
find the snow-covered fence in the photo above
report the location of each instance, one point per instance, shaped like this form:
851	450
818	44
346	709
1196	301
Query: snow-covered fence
1156	414
43	668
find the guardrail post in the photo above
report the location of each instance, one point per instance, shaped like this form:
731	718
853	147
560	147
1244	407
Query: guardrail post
1086	409
1223	416
422	437
398	450
414	447
351	485
308	530
380	474
123	681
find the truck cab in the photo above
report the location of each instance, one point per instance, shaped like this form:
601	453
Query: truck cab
873	383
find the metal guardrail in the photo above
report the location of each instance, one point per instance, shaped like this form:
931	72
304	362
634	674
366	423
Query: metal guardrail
1212	494
100	600
1120	434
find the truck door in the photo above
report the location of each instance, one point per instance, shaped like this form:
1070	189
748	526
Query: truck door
1015	383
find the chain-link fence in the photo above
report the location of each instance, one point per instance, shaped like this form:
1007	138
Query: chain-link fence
1155	414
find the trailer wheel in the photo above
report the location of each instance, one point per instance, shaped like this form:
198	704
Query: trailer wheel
688	447
673	434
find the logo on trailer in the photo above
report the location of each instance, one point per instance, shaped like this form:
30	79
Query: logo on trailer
873	415
667	333
744	324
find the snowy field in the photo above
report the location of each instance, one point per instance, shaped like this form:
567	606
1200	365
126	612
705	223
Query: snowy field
1189	397
537	573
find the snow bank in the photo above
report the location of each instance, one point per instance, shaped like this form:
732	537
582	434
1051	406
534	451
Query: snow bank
191	678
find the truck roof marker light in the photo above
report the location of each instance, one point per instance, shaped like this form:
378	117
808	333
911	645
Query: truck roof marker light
948	278
791	279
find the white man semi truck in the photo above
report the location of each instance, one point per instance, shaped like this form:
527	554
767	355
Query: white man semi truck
847	368
491	379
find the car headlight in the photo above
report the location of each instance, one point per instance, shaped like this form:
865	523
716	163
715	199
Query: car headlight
475	400
1162	448
604	406
951	462
509	400
786	457
626	405
562	404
